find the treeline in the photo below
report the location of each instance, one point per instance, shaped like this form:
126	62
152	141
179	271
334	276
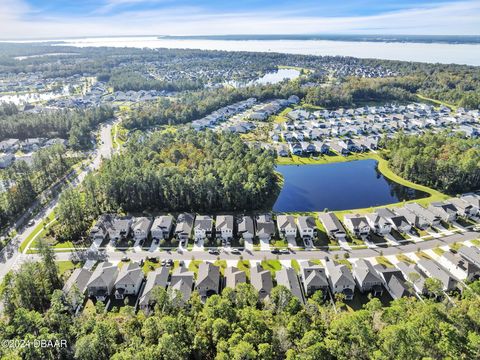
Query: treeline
355	91
173	171
133	80
23	183
194	105
443	161
233	326
72	125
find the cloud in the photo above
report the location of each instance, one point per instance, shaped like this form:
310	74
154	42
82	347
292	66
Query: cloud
18	20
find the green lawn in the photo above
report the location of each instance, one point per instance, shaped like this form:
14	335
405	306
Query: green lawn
456	246
65	266
272	265
384	261
193	266
39	231
476	242
296	265
453	107
149	265
405	259
245	266
438	251
279	243
222	264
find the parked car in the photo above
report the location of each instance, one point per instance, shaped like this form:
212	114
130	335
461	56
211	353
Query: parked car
235	252
275	251
125	258
284	251
213	252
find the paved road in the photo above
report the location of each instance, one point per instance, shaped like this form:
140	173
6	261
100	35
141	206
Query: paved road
10	256
298	255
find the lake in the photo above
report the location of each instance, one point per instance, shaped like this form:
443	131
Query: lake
338	186
273	77
444	53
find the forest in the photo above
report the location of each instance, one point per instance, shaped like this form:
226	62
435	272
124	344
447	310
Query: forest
446	162
179	170
75	126
28	181
233	325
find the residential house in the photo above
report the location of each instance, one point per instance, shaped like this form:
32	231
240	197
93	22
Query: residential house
398	222
141	228
120	228
261	280
265	228
412	218
306	227
366	277
162	227
234	276
340	279
414	275
459	267
332	225
445	210
76	285
471	254
99	231
155	278
339	148
208	279
464	208
314	278
288	277
429	217
181	283
357	224
224	227
321	147
474	200
203	227
394	281
286	226
102	281
282	150
378	224
433	270
246	228
129	280
183	229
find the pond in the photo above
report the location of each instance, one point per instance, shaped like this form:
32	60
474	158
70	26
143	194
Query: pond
273	77
339	186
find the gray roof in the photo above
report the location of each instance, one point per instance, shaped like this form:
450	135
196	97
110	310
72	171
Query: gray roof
460	262
422	212
338	273
234	276
204	222
472	254
224	222
209	275
184	223
265	225
182	280
79	278
408	269
103	274
306	222
472	199
163	222
286	222
142	224
331	222
364	272
385	212
432	269
288	278
158	277
246	225
130	273
460	204
357	220
261	280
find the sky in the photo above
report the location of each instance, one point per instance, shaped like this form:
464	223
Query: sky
36	19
